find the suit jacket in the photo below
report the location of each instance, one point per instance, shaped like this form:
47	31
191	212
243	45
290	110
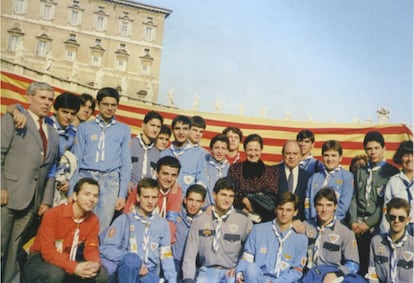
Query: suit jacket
24	172
300	189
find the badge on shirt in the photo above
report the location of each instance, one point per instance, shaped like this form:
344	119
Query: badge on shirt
263	250
307	204
94	138
310	234
131	228
381	249
188	179
233	228
339	182
303	261
154	246
133	245
408	256
333	238
283	265
287	256
111	232
59	245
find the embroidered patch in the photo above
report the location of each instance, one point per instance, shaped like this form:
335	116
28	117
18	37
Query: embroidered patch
354	243
233	228
94	138
206	233
133	245
207	226
179	219
333	238
188	179
408	256
154	246
165	252
59	246
339	182
283	265
287	256
111	232
303	261
132	228
307	205
263	250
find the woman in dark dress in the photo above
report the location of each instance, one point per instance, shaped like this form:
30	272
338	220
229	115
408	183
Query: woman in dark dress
257	182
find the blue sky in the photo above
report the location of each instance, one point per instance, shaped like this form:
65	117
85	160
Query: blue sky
331	60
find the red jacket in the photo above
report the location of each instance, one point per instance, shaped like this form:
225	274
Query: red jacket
55	235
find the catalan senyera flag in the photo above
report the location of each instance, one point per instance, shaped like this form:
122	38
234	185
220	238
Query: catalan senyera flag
274	132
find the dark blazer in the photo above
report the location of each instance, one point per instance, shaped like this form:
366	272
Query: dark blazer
300	189
24	172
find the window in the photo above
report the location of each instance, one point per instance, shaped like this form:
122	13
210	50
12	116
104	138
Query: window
148	34
96	60
70	55
121	64
146	69
14	41
124	28
100	20
97	42
47	11
20	7
74	17
42	48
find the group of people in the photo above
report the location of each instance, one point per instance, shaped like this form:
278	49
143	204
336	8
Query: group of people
116	208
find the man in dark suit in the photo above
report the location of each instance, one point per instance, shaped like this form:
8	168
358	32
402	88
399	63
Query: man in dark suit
291	177
26	189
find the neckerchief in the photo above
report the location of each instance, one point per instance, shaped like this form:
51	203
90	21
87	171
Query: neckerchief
100	151
75	242
163	210
370	177
329	175
219	166
318	243
146	236
281	240
145	160
408	184
220	219
178	151
394	251
66	133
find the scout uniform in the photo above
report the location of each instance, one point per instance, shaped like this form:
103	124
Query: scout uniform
340	180
391	262
279	256
214	171
217	246
144	160
148	237
333	245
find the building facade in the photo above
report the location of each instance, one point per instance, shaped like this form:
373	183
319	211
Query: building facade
94	43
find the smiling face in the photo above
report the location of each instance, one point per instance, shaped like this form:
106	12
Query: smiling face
397	226
193	202
41	102
325	209
331	159
219	151
253	151
167	177
147	200
86	199
407	162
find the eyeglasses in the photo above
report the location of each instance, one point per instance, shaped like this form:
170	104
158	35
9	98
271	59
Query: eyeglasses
401	218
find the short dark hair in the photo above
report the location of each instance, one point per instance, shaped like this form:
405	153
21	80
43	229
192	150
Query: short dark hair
84	97
225	183
327	193
253	137
405	147
198	121
86	180
288	197
67	100
398	203
107	92
305	134
374	136
153	115
147	183
332	145
182	119
198	189
165	130
234	130
219	137
169	161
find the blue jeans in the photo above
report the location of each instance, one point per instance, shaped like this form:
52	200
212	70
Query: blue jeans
211	274
108	195
128	271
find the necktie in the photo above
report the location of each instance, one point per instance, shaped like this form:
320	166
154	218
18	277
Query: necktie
44	139
280	239
394	248
75	242
146	238
290	180
217	236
